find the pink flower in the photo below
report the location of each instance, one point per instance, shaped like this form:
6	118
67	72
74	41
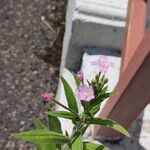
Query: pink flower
86	93
103	63
80	75
46	96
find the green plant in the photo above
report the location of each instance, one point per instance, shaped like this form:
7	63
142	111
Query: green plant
91	95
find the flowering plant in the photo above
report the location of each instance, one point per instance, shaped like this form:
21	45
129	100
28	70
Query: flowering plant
91	94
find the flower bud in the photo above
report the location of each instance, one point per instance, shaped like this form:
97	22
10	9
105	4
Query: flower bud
46	96
80	75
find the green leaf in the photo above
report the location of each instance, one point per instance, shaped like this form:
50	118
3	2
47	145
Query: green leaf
83	129
95	104
77	80
63	114
101	93
69	96
75	136
38	124
44	145
41	136
93	146
95	109
78	144
102	79
78	133
54	123
110	124
86	105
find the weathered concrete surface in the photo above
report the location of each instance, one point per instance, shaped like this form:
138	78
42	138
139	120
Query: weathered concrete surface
90	23
93	23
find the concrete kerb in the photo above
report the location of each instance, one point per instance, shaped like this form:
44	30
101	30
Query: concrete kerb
90	23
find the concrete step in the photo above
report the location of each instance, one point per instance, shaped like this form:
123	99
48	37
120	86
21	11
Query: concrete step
92	23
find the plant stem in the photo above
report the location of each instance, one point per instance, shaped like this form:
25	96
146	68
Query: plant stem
81	128
65	107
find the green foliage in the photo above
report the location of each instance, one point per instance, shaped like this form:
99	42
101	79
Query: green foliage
93	146
77	80
63	114
99	85
95	105
45	145
78	144
109	124
38	124
101	93
70	96
51	137
86	106
54	123
75	135
39	136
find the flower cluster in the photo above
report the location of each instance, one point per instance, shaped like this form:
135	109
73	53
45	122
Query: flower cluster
86	92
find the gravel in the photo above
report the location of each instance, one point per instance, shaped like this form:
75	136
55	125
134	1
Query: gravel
31	34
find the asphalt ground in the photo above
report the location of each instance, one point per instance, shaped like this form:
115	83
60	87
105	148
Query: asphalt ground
31	34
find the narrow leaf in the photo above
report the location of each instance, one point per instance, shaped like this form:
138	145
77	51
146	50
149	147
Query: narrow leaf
93	146
77	80
44	145
54	123
69	96
95	109
38	124
41	136
78	144
95	104
110	124
75	136
63	114
78	133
